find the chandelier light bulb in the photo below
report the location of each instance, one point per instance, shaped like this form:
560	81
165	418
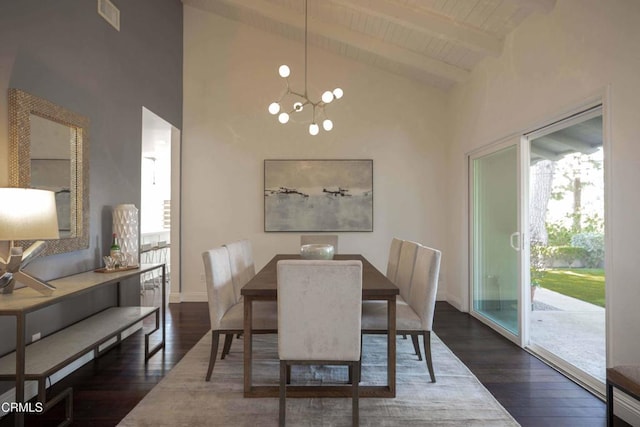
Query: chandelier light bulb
274	108
283	118
284	71
327	97
298	106
327	125
314	129
337	92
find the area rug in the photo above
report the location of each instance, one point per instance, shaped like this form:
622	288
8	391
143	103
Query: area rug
184	398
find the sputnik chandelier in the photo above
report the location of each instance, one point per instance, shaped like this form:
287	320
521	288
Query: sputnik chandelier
301	100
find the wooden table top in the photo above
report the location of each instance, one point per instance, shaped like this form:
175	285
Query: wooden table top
374	283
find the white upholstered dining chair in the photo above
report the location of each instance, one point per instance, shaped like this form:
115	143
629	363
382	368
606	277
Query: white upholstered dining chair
242	270
242	266
319	307
327	239
394	258
414	316
422	297
225	313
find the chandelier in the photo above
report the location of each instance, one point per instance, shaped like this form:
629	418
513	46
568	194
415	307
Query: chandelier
298	101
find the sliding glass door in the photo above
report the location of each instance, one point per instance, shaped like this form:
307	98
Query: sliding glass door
495	237
537	243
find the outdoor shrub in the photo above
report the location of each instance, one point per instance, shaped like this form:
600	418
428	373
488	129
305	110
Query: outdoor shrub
593	245
559	235
566	254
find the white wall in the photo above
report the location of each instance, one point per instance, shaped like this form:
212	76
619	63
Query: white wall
551	64
230	77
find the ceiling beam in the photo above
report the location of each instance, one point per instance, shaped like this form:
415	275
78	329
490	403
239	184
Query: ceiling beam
427	23
339	34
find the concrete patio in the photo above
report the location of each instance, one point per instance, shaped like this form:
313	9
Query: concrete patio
571	329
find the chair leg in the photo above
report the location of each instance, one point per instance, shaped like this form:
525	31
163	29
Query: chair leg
427	352
283	392
215	338
228	339
288	374
355	368
416	346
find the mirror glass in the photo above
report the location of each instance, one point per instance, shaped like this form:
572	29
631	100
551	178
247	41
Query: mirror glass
49	150
51	166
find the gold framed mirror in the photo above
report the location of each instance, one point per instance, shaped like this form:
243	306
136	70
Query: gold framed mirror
49	149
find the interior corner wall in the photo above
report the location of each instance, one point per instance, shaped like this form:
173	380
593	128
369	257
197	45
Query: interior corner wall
551	64
63	51
231	76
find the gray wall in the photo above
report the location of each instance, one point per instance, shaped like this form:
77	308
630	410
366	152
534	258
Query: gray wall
65	52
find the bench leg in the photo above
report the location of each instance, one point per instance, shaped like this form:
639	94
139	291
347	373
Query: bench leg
609	404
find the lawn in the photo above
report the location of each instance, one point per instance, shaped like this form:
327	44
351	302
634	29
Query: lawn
586	284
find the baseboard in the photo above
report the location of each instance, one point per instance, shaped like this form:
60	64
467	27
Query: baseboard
626	408
455	302
175	297
31	387
193	297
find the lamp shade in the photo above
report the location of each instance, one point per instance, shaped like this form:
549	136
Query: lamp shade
27	214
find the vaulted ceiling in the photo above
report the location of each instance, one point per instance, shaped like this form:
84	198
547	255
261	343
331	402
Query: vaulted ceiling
437	42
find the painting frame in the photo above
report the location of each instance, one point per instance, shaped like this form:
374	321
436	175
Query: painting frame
318	195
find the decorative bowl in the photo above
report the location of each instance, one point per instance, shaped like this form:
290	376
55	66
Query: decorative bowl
316	251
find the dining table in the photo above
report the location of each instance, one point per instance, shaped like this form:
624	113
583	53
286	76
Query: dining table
375	286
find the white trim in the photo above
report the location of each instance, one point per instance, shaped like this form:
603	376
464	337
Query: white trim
194	297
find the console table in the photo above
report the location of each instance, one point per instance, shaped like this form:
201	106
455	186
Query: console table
41	358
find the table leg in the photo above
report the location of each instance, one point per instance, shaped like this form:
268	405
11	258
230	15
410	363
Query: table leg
248	321
391	345
20	367
164	304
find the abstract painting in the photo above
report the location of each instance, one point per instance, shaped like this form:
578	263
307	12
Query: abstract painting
318	195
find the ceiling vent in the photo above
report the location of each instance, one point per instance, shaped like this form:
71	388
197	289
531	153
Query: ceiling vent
110	13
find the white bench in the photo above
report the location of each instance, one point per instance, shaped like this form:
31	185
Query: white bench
52	353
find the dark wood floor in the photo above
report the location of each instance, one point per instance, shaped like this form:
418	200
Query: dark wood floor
106	389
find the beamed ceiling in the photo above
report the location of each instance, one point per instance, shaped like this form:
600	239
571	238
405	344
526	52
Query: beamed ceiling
437	42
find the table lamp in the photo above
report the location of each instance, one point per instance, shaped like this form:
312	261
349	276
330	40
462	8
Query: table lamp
25	214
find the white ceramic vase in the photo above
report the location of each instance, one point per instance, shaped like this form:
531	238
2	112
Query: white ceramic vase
125	225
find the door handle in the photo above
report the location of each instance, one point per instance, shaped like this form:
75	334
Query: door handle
515	247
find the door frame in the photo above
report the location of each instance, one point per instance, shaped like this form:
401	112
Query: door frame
601	98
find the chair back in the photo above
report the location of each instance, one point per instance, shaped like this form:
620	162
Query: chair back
424	286
242	266
220	293
394	257
327	239
319	310
406	261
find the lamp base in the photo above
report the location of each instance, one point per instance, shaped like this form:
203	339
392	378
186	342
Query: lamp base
13	273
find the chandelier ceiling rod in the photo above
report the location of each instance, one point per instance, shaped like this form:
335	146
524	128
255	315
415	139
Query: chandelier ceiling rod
306	46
